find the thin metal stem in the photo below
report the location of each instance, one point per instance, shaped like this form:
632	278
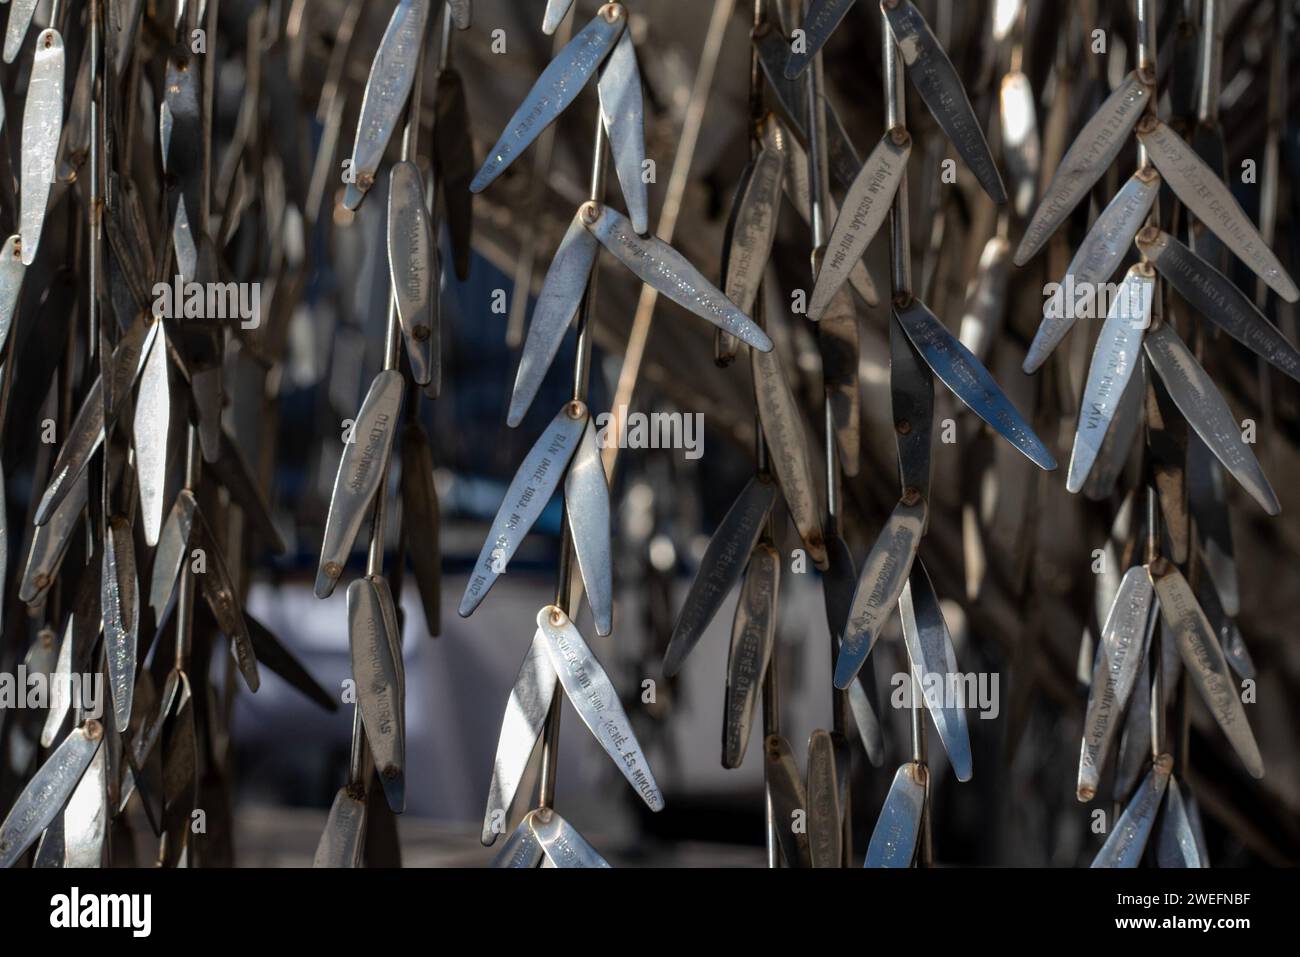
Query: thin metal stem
900	260
819	206
185	589
564	573
359	768
771	726
1207	106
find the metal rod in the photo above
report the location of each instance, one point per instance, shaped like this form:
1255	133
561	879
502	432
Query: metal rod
819	206
1207	106
359	767
900	260
771	691
392	330
771	726
185	589
581	375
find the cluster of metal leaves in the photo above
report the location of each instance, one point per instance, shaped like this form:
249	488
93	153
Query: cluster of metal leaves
149	398
1187	598
142	497
415	211
1170	283
858	605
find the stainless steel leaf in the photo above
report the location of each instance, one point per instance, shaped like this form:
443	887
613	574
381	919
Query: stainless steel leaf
120	601
819	22
48	791
1207	412
797	190
986	299
1123	647
755	222
42	125
789	800
1204	194
222	597
893	842
152	420
1088	157
343	841
586	504
536	479
866	204
86	818
934	667
557	304
970	381
656	263
555	11
934	77
825	828
1176	841
1205	663
378	688
521	726
413	267
521	850
560	841
557	87
362	467
87	429
788	449
1117	353
20	18
12	271
592	695
1110	237
1128	839
753	633
724	560
623	112
392	73
1021	149
880	583
1214	296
